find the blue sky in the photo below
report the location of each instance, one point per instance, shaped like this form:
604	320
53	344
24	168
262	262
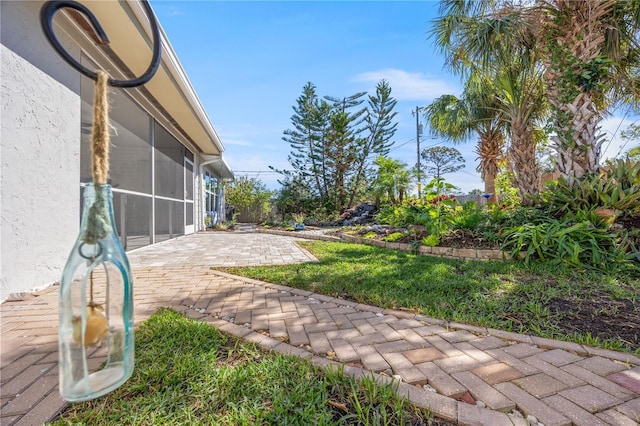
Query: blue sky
248	62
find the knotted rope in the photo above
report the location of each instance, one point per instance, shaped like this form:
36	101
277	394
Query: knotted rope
98	224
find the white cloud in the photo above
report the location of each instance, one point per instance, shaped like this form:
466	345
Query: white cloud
409	86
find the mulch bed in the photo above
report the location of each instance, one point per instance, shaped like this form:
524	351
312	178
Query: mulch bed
600	316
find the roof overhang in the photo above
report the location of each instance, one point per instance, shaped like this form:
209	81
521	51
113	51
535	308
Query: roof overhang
218	165
169	91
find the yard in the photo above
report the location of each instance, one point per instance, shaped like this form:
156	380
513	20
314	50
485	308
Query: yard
582	306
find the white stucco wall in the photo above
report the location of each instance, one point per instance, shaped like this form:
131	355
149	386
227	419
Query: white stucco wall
40	154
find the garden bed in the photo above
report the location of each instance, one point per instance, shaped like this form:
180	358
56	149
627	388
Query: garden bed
454	247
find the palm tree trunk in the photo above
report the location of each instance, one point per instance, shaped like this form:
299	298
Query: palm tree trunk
574	40
522	154
580	154
490	153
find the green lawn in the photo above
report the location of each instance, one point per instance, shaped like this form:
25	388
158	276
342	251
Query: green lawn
189	373
548	301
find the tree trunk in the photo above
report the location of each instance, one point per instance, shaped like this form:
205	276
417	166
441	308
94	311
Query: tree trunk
581	154
573	41
490	153
522	154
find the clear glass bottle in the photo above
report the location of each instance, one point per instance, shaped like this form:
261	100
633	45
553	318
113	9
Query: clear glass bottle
96	305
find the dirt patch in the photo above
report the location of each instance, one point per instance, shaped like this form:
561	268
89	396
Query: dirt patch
460	239
602	317
456	239
597	315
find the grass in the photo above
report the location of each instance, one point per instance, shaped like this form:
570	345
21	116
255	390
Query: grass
538	299
187	372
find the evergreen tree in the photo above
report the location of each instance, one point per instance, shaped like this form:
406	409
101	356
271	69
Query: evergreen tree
304	139
379	128
334	141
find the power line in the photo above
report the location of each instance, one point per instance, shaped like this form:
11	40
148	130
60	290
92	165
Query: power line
616	131
625	144
402	144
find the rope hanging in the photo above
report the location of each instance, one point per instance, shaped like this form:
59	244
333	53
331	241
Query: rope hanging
100	132
98	225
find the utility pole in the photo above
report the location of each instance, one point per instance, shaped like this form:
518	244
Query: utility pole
418	133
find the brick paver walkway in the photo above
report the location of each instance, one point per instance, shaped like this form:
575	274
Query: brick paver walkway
471	375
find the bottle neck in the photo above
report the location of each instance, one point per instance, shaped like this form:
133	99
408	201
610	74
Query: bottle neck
97	216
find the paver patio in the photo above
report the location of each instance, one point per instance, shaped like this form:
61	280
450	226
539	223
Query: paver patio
440	364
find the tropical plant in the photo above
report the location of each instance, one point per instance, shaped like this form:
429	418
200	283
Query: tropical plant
467	217
622	188
581	240
591	54
478	42
391	181
617	187
522	104
511	218
588	52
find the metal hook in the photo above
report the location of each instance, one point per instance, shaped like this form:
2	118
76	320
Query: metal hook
46	20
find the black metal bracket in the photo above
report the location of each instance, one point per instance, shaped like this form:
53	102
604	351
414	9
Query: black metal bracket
46	21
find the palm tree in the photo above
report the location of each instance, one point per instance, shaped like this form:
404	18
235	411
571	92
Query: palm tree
523	106
392	179
480	43
475	112
590	49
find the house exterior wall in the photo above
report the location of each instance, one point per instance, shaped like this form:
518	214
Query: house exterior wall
39	154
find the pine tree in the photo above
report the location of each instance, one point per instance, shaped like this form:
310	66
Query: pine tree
334	141
379	128
304	137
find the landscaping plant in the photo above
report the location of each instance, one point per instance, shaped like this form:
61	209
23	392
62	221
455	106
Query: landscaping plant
617	187
583	240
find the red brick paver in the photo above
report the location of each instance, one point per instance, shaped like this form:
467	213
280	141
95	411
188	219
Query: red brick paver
559	383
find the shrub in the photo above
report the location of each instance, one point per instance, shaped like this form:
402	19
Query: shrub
393	237
298	217
397	216
615	188
431	240
467	217
582	240
520	216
